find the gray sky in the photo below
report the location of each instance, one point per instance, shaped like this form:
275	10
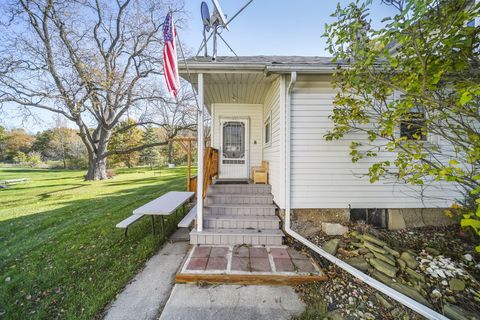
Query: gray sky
266	27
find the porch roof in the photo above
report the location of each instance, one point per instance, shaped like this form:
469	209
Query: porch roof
263	64
247	79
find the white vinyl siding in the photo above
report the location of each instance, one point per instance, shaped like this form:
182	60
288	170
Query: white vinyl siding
254	114
272	150
322	173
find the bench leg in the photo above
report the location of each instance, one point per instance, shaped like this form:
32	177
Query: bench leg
126	231
153	224
163	227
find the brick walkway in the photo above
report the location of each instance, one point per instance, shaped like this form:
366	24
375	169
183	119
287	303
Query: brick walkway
248	260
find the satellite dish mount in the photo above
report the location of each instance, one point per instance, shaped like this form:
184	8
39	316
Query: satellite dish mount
214	25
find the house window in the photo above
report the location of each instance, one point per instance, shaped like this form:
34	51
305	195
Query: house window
413	126
268	130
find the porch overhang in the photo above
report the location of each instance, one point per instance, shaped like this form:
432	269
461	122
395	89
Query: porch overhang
246	80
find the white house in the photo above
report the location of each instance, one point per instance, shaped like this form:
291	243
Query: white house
277	109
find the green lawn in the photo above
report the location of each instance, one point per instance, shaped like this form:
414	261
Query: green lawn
60	253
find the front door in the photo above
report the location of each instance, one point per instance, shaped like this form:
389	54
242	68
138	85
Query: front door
234	149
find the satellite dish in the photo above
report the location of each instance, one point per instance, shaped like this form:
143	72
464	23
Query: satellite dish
216	23
218	18
205	15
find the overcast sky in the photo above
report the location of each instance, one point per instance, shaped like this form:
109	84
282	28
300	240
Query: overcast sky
266	27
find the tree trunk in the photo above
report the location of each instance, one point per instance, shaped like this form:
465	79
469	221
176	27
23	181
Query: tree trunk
97	169
170	152
97	161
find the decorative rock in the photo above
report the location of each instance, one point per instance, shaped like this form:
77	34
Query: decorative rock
412	293
394	253
358	262
402	264
358	236
388	259
369	255
331	246
468	257
454	312
310	231
432	251
456	284
348	253
409	260
436	294
384	267
387	305
334	229
372	247
381	277
357	245
373	239
415	275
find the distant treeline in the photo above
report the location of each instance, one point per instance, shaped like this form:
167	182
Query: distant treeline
62	147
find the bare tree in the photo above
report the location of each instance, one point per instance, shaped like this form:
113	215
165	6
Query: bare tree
91	61
176	117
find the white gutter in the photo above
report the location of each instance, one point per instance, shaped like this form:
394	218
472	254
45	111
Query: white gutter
219	67
403	299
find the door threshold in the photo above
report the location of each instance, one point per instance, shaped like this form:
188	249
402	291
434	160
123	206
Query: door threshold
232	181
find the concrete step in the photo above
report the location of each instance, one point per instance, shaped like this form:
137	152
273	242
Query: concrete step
240	209
240	188
220	221
237	236
238	198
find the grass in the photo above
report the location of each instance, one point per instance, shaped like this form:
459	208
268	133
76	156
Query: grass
313	295
61	256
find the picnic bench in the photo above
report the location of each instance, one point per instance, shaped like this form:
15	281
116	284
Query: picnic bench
5	183
189	217
162	206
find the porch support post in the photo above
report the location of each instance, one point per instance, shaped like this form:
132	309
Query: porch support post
201	145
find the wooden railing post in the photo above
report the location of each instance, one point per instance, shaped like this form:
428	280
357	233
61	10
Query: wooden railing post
210	170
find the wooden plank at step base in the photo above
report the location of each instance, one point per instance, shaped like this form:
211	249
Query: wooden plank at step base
248	279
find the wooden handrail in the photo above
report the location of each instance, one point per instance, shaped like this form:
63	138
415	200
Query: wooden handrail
210	170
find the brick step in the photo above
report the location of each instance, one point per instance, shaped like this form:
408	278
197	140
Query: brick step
238	198
237	236
240	209
220	221
240	188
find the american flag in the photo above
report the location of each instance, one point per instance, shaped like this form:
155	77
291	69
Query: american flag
170	68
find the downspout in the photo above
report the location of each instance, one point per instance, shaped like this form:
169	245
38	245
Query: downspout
395	295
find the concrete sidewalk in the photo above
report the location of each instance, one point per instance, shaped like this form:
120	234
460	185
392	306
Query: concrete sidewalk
144	297
150	294
193	302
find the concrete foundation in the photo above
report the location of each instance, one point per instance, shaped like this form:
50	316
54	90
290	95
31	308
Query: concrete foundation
397	218
416	218
317	216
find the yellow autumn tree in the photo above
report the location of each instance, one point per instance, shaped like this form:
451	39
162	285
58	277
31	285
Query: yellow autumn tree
127	135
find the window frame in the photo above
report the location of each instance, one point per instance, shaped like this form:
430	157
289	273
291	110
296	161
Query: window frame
426	138
267	122
418	119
